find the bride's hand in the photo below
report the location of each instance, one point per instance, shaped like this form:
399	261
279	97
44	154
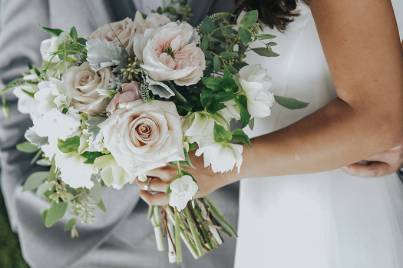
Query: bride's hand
154	190
378	165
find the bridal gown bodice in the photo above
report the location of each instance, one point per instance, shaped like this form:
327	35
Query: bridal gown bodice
322	220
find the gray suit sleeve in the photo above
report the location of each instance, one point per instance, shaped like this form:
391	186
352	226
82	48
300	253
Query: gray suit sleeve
20	38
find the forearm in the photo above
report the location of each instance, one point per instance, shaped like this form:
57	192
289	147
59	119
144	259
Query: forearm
328	139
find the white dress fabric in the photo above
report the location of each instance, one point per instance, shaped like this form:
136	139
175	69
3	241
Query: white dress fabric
321	220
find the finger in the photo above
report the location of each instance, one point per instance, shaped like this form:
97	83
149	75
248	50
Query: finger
154	185
156	199
371	169
165	173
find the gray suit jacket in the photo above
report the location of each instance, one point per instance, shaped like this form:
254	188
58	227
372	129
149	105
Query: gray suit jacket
122	237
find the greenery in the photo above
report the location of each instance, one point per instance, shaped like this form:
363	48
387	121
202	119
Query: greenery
10	253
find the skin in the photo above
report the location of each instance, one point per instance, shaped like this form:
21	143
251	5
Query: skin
364	119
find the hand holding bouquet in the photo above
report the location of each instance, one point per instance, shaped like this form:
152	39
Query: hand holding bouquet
142	94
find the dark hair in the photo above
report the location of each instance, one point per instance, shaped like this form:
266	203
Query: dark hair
274	13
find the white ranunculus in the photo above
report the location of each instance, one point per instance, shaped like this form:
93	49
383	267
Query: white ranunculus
183	190
201	129
111	173
56	125
256	83
50	46
170	53
221	157
85	88
26	103
144	136
74	171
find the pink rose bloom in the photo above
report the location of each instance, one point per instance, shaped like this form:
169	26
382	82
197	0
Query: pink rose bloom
171	53
130	92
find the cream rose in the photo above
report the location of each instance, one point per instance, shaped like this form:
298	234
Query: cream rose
256	83
171	53
119	33
143	136
84	86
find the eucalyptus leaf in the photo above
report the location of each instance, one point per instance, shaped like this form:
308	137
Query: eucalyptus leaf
55	213
290	103
265	52
250	18
35	180
27	147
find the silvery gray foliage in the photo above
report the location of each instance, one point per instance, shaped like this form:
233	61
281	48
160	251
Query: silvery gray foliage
102	54
160	89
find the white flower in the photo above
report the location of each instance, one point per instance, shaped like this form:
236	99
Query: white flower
256	82
74	171
85	88
143	136
221	157
201	129
50	46
171	53
50	95
183	190
230	111
56	125
26	103
111	173
102	54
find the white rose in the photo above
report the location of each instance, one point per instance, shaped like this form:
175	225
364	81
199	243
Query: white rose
221	157
256	82
111	173
171	53
50	46
74	171
183	190
143	136
118	33
85	87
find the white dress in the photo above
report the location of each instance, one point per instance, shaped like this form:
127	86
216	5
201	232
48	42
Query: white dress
321	220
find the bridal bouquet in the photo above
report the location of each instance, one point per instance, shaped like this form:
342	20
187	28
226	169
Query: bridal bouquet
140	94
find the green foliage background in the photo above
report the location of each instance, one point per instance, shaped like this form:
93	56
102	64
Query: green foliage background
10	253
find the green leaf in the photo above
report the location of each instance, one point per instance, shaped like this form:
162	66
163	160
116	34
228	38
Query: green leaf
265	36
70	224
239	136
52	31
265	52
204	43
250	18
91	156
55	213
101	205
221	134
35	180
27	147
73	33
69	145
290	103
243	109
245	36
207	25
216	63
211	82
96	192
